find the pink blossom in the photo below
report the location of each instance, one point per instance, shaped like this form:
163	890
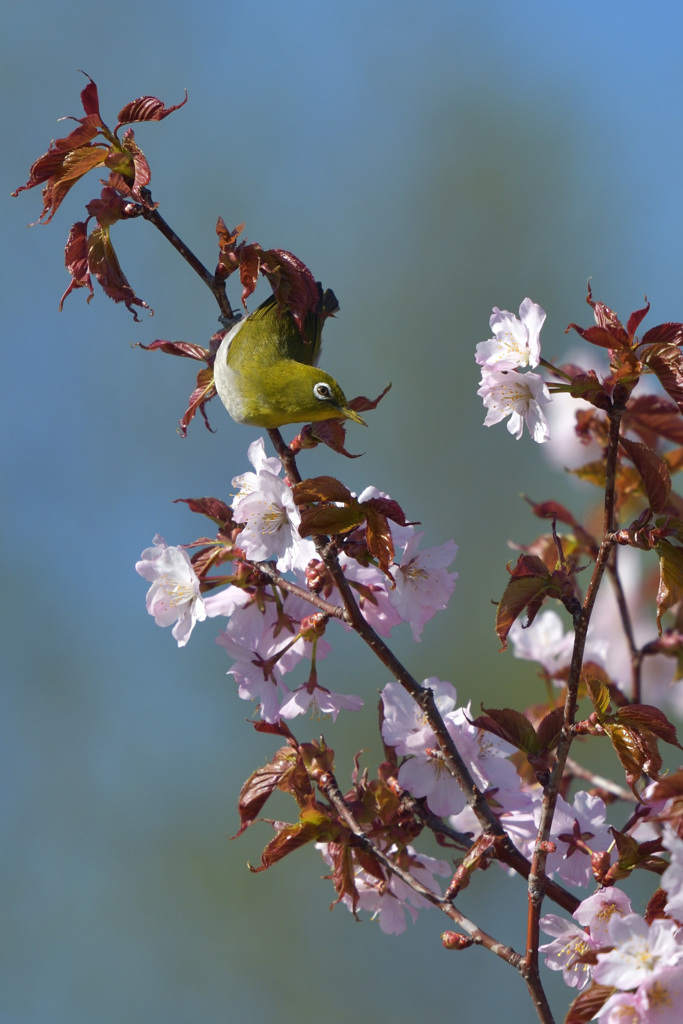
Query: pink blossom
584	822
516	342
174	595
662	997
640	952
519	396
319	701
404	725
623	1008
672	879
563	953
392	899
423	587
596	912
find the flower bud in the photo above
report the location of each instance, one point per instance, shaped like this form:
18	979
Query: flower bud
454	940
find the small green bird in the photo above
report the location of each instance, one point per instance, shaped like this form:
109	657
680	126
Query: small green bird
266	373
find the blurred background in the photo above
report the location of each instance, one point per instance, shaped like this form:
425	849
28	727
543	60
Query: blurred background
428	162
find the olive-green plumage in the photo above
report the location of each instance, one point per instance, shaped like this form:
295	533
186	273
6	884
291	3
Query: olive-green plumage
266	373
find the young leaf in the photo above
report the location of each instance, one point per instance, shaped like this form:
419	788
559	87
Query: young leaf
588	1004
670	588
146	108
530	584
104	264
667	363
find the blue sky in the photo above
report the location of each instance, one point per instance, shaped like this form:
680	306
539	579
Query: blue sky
426	162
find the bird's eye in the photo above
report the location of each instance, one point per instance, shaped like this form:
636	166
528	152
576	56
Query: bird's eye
322	391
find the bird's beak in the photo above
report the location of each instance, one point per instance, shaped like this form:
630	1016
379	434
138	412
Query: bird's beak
351	414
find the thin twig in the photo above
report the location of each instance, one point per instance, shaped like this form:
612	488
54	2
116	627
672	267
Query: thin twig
335	611
624	613
329	786
599	781
537	877
216	285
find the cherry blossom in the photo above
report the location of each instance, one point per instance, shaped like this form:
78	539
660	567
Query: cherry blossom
369	585
174	595
672	879
563	953
424	773
404	726
640	951
519	396
577	831
423	587
662	997
596	912
516	342
271	524
623	1008
320	701
390	901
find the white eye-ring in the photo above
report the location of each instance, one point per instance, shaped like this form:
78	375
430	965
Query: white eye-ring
322	391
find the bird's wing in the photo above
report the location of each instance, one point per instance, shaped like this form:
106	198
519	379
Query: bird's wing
285	333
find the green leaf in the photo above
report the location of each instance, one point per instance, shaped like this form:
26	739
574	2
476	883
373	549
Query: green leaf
599	695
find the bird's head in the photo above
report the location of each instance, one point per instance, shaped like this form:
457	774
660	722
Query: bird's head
294	392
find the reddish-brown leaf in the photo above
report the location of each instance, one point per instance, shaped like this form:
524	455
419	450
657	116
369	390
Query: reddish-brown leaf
666	361
104	264
647	716
323	520
670	588
109	208
260	785
227	241
89	97
329	432
636	319
177	348
362	404
595	335
212	508
147	108
389	508
667	334
74	165
652	416
292	282
249	263
588	1004
636	749
510	725
288	839
653	472
549	729
525	592
379	540
204	391
76	260
321	488
314	824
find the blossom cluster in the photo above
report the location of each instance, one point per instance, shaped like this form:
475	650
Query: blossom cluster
269	628
639	959
280	598
580	829
505	389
